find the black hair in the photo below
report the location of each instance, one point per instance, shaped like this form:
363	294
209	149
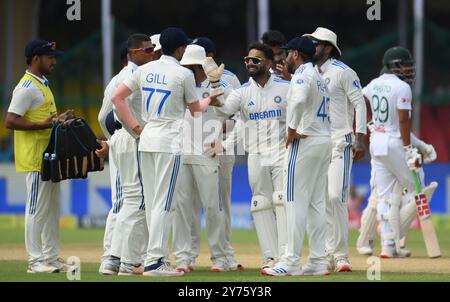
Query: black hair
273	38
268	53
29	60
136	40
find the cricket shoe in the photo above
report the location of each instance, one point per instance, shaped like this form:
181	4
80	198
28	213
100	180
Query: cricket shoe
161	269
342	265
63	266
191	264
112	266
234	266
268	263
42	268
220	266
283	269
315	269
127	269
388	251
183	266
365	250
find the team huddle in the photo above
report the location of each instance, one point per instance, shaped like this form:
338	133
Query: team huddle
174	119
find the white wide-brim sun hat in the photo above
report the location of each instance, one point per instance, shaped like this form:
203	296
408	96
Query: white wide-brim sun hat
155	41
193	55
324	34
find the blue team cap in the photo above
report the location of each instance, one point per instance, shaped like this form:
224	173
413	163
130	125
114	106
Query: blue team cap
173	37
40	48
302	44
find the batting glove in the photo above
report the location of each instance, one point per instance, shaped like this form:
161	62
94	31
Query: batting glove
212	71
429	154
412	156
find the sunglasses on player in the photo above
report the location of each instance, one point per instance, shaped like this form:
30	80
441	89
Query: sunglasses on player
254	60
147	50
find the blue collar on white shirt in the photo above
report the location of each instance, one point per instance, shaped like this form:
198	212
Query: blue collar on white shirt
44	80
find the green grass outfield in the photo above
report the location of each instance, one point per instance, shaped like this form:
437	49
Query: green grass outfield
246	247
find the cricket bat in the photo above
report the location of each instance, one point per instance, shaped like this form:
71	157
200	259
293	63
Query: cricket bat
426	224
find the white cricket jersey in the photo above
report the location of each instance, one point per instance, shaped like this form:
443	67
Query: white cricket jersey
308	102
134	100
203	129
167	87
345	93
263	113
107	106
388	94
27	95
231	79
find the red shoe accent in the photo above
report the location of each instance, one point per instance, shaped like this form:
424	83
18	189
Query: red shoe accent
263	271
216	270
344	268
180	269
385	256
191	268
240	267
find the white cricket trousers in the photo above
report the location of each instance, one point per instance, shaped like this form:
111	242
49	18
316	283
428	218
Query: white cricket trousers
225	183
306	171
226	164
159	176
388	170
116	201
42	219
264	180
198	182
130	236
339	174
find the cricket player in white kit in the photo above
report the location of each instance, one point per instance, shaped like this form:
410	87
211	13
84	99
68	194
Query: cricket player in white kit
108	125
392	152
199	178
308	158
407	208
167	88
130	236
262	106
346	98
226	163
30	115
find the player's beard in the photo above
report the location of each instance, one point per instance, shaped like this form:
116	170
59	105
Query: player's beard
47	70
291	66
260	71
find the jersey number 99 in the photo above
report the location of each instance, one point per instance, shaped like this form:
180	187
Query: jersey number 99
380	108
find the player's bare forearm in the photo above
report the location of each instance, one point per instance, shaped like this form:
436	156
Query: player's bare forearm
118	99
405	126
17	122
368	109
359	149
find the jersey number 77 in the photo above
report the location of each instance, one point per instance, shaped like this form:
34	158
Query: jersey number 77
163	96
